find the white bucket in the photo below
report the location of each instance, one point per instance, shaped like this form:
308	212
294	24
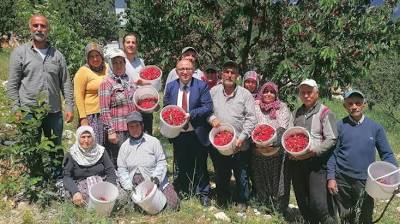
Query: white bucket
156	83
149	197
227	149
100	191
144	92
264	143
167	130
379	190
296	130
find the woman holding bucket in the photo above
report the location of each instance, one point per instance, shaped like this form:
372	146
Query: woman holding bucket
86	164
141	158
268	164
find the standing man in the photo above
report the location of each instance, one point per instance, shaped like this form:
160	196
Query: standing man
190	147
309	171
38	68
133	66
359	138
188	53
233	104
211	76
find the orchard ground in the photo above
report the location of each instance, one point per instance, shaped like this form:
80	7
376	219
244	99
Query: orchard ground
191	210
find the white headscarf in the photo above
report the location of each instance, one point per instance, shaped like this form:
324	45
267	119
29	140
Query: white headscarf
86	157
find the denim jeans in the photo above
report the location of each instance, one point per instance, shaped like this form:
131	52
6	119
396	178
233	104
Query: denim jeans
223	166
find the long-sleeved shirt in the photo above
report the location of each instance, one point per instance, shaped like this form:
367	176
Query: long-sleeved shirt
323	131
133	68
356	148
30	75
116	102
172	75
72	171
236	109
145	157
86	90
283	117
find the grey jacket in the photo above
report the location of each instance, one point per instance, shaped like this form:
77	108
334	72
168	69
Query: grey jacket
30	75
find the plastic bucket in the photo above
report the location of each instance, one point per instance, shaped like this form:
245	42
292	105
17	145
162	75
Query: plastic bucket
156	83
144	92
264	143
102	198
377	189
149	197
296	130
227	149
168	130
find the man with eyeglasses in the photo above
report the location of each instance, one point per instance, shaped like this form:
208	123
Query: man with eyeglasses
359	138
38	69
233	104
190	146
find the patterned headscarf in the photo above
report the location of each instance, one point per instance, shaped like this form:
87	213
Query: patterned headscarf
86	157
272	107
252	75
94	47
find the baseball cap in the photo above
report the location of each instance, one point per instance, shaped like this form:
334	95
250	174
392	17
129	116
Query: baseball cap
188	49
230	64
115	52
352	92
134	117
309	82
211	68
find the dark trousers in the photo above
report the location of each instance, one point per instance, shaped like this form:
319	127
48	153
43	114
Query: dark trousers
113	149
52	128
223	166
354	204
310	188
191	160
148	123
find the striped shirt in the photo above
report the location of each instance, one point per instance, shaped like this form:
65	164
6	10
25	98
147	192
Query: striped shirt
116	102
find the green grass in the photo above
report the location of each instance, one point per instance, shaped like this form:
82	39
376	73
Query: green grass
4	61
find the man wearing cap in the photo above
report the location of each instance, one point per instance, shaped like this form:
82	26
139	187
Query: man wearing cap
234	105
37	68
309	171
190	146
142	157
211	76
359	138
116	103
188	53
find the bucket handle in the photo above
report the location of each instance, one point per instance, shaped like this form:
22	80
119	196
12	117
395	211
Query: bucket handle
397	191
386	175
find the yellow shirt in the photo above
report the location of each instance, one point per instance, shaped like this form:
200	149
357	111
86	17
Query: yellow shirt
86	86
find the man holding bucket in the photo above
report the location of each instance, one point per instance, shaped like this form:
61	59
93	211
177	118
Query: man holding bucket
347	167
233	104
309	171
190	146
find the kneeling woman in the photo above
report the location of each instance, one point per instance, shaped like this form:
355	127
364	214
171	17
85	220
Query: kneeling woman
140	158
85	164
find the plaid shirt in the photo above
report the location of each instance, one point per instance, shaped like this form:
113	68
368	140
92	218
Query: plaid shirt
116	102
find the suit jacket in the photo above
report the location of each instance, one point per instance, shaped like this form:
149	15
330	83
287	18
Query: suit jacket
200	106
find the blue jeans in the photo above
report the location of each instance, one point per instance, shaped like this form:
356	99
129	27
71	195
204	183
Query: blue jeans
223	166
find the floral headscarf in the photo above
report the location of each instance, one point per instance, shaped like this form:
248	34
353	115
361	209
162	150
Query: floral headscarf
86	157
252	75
272	107
94	47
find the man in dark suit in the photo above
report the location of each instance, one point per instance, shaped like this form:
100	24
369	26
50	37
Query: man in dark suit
190	147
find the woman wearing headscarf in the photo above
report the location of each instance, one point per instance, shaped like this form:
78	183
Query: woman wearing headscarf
116	102
86	85
251	82
85	164
268	164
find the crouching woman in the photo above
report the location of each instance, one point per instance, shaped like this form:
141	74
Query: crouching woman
140	158
86	164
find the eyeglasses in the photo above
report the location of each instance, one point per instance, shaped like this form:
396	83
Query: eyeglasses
184	69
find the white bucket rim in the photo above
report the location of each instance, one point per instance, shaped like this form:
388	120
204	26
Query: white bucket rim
303	130
265	142
376	181
168	125
151	66
211	137
152	89
101	201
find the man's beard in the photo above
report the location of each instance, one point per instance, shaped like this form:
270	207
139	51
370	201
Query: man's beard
39	36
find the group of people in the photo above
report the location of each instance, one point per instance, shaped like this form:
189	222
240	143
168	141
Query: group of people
114	142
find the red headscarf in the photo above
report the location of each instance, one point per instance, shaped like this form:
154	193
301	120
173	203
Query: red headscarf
272	107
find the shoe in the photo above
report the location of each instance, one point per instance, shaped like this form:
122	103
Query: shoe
240	207
205	201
